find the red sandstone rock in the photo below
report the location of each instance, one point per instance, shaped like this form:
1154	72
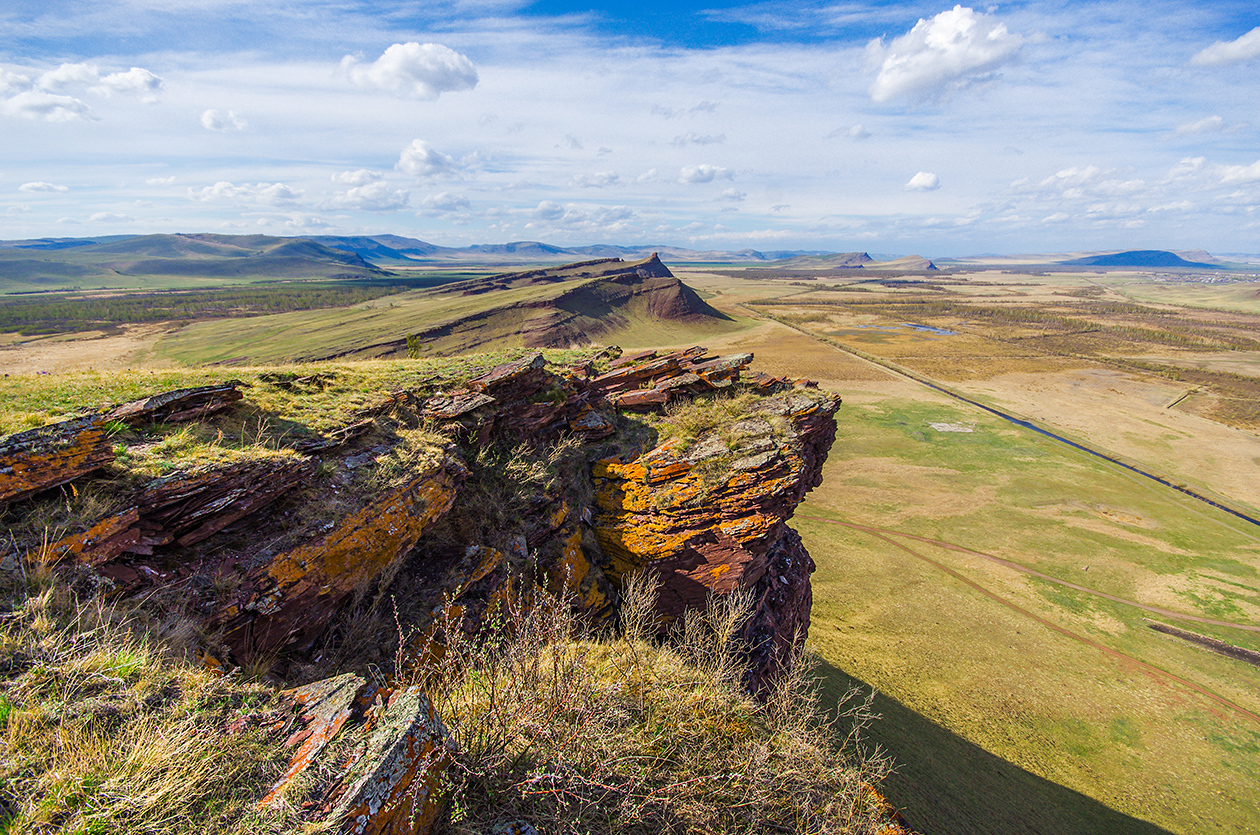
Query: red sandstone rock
391	783
711	518
290	597
48	456
183	509
178	405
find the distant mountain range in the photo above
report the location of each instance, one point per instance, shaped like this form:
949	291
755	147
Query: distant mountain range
395	250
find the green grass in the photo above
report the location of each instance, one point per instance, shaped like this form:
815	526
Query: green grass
1088	742
340	388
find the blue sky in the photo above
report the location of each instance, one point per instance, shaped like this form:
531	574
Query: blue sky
891	127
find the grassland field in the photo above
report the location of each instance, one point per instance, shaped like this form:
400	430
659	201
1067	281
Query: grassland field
993	585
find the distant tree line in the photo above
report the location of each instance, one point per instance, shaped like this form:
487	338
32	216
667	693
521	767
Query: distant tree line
64	314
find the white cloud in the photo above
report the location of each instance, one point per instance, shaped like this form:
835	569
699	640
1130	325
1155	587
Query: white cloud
419	160
692	174
49	107
160	181
67	75
600	179
12	82
40	185
698	139
360	177
415	70
854	132
923	181
135	81
1212	124
948	51
732	194
548	210
1230	52
648	176
672	112
1236	174
267	194
110	217
216	120
372	197
445	202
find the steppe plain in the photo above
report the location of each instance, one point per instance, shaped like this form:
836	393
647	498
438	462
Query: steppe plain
995	585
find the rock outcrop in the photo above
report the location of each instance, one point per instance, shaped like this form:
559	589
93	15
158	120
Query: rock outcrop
270	553
710	517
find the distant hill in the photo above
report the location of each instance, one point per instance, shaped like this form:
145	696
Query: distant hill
1138	258
156	261
632	303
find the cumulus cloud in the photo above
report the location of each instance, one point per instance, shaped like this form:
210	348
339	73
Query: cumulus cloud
12	82
1212	124
40	185
693	174
135	81
375	196
949	51
547	210
732	194
600	179
216	120
1236	51
581	218
50	107
698	139
923	181
359	177
1238	174
68	75
267	194
444	203
420	160
414	70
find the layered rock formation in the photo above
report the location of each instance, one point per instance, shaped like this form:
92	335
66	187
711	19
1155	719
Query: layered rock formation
710	517
271	554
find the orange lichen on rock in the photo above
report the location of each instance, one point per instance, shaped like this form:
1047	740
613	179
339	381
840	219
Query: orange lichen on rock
711	518
393	788
292	595
48	456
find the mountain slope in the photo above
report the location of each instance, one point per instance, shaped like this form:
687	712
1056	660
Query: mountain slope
606	300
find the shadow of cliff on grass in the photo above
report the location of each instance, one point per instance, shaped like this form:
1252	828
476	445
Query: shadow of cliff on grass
946	785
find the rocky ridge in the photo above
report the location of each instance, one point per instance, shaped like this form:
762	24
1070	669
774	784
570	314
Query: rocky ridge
267	553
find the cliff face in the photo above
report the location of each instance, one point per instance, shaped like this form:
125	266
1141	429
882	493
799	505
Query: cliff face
530	479
710	517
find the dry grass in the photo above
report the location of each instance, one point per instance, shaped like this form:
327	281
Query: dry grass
626	736
105	727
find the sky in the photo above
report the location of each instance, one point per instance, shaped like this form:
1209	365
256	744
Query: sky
894	128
